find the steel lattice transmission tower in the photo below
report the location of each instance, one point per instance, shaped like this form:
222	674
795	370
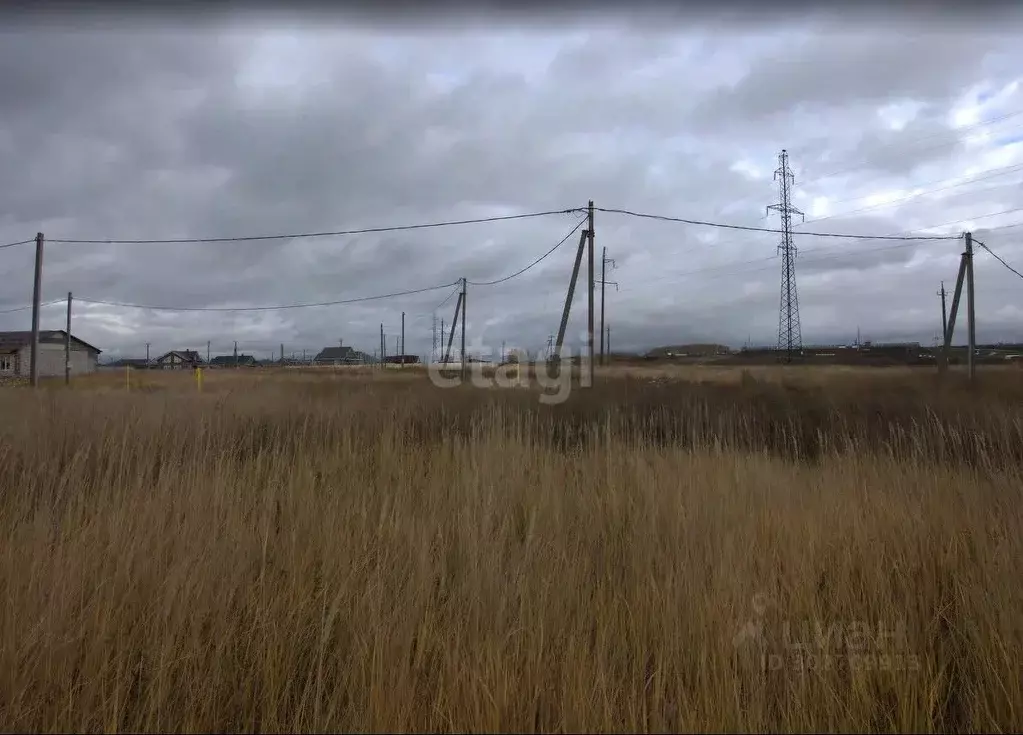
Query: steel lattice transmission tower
790	337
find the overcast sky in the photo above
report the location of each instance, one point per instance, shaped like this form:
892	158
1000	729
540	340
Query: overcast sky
268	125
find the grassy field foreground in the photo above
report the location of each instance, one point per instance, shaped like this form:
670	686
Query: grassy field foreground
325	552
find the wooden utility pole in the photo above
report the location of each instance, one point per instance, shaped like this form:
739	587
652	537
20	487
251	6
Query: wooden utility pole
36	296
603	278
589	318
403	339
944	313
67	344
603	282
147	355
207	352
463	327
971	323
236	353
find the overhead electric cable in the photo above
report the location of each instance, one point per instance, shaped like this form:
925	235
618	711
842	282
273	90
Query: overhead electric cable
751	228
264	308
305	235
535	262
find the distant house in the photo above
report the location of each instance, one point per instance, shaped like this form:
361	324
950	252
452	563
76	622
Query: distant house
224	361
178	360
341	356
408	360
136	363
16	354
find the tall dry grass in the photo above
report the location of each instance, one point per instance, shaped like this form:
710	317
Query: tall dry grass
296	552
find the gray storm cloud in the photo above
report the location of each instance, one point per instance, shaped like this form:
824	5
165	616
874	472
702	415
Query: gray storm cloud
247	129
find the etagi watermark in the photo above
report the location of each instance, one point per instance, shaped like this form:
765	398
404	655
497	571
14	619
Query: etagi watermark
820	645
489	368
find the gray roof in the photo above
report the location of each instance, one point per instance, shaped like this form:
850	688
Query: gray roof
15	340
335	353
231	359
186	355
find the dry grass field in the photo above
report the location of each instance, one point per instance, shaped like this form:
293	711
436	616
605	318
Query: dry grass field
769	550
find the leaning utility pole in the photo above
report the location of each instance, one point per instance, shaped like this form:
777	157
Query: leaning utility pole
459	312
589	318
583	238
36	296
603	282
790	337
965	274
67	344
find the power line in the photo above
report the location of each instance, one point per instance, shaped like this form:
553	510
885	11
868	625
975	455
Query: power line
956	222
1003	227
912	144
973	219
898	202
725	269
730	268
265	308
15	244
304	235
29	306
438	306
750	228
978	242
535	262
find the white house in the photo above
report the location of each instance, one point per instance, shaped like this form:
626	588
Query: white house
16	354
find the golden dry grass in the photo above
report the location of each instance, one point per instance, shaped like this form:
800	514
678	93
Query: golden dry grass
291	551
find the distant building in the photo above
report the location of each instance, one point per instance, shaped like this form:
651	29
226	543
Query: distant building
224	361
178	360
16	354
136	363
341	356
402	359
